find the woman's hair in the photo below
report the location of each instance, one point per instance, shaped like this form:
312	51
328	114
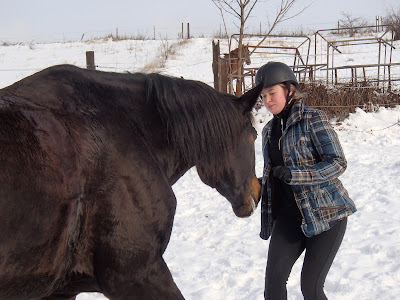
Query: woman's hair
296	94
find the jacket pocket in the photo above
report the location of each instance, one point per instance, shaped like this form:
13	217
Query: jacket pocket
303	152
326	206
328	213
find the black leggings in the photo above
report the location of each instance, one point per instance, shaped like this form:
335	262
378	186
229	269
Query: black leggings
286	245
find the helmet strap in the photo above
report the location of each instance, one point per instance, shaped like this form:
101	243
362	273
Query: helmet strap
288	96
288	104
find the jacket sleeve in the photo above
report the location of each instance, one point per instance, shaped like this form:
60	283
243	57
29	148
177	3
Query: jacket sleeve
332	162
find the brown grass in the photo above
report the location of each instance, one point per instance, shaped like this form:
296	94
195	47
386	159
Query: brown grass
338	102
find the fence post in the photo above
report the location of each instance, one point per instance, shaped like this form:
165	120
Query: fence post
188	31
336	78
215	64
90	60
365	76
223	74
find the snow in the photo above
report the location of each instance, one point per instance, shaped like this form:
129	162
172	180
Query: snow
215	255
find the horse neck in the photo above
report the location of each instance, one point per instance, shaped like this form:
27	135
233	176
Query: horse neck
171	165
186	121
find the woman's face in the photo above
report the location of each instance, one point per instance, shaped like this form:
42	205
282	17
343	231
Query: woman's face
274	98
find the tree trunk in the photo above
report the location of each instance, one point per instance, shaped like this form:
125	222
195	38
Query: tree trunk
239	80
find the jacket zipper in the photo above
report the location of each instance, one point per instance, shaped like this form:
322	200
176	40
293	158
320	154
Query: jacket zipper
303	221
280	139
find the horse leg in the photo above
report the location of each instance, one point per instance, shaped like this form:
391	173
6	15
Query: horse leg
152	281
131	266
168	285
128	261
158	284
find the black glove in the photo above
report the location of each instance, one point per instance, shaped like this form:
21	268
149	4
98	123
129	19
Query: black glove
282	173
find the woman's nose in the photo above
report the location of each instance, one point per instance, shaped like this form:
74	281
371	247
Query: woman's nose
266	99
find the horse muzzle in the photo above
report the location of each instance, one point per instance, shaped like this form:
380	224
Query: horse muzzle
251	201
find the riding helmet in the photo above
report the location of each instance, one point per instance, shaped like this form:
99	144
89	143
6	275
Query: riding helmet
274	73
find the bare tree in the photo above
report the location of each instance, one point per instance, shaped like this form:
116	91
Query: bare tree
392	19
351	23
241	10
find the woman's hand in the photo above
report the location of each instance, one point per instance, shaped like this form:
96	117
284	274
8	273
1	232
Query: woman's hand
282	173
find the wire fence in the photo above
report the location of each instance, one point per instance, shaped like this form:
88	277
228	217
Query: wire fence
372	130
362	57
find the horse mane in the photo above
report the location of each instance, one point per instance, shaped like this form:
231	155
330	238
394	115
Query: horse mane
194	113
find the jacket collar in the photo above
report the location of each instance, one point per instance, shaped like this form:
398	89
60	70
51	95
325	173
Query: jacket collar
295	116
296	113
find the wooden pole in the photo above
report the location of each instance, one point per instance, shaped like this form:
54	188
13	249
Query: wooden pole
223	74
188	31
215	64
336	78
90	60
365	76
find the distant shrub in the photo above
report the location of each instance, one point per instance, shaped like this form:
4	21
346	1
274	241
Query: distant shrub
351	24
338	102
8	44
167	51
119	37
393	22
298	32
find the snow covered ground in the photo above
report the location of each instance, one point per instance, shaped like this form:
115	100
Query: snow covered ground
215	255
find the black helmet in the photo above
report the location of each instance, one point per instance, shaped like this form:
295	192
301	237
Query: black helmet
274	73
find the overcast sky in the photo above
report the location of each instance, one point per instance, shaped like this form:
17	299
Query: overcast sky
52	20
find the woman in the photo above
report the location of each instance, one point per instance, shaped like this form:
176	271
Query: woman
304	205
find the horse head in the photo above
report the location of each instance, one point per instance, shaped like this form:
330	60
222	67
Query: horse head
246	54
212	131
236	180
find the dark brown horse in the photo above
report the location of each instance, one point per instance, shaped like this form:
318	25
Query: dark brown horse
232	61
87	162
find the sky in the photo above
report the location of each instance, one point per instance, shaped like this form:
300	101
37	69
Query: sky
49	20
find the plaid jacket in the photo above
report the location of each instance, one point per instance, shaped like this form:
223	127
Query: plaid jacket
312	151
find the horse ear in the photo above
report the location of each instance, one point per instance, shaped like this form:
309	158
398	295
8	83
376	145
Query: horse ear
249	99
